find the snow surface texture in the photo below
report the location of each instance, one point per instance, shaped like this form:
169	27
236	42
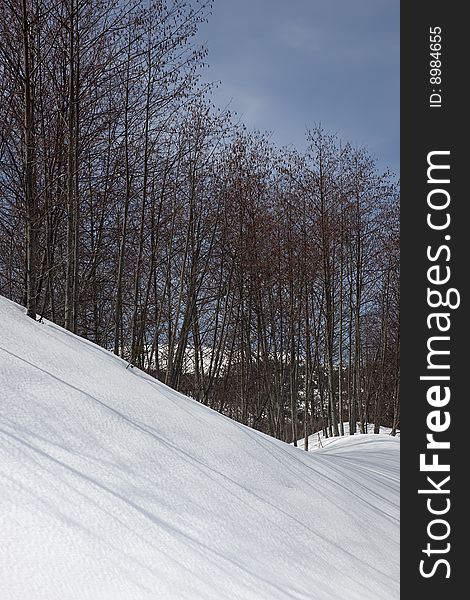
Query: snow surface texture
115	487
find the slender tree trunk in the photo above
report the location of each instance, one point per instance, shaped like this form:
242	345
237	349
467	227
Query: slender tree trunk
118	316
30	200
71	171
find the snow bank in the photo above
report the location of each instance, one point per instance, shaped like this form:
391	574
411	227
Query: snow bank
114	486
317	440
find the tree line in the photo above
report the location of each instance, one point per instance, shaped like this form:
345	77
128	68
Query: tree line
261	281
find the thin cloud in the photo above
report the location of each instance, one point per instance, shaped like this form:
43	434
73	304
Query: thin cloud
288	65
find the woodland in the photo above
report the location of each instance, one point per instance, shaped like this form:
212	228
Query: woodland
261	281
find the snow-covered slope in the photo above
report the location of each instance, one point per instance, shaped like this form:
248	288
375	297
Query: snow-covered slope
318	440
115	487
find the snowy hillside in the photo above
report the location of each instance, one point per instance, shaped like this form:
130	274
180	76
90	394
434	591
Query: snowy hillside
115	487
318	440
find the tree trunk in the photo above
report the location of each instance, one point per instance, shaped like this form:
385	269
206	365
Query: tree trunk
30	200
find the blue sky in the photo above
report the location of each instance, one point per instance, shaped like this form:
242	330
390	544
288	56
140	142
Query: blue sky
288	64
